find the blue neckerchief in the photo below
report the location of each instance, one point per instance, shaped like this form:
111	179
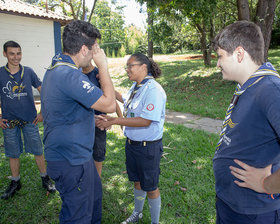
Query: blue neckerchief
133	93
62	59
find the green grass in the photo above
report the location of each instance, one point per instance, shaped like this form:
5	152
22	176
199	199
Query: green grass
186	181
187	159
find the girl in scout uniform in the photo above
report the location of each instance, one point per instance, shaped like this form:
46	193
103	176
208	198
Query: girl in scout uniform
144	113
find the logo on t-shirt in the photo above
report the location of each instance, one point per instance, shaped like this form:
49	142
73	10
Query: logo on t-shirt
88	86
150	107
13	92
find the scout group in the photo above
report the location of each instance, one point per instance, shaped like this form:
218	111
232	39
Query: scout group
77	95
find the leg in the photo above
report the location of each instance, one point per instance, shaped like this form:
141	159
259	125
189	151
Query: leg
14	166
76	185
40	161
13	149
99	149
98	166
154	204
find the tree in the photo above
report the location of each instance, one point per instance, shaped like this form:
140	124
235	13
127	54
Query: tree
111	26
264	16
73	8
201	14
135	40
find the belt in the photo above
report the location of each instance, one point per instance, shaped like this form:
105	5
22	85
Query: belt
142	143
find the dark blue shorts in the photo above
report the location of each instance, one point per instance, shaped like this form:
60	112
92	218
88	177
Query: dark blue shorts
142	164
99	148
80	191
225	215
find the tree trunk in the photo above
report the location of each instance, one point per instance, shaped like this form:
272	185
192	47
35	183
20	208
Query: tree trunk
264	18
150	36
203	43
92	10
243	10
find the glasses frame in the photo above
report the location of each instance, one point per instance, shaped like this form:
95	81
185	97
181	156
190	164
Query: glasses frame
128	67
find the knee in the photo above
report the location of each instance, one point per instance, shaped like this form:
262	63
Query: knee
137	185
153	194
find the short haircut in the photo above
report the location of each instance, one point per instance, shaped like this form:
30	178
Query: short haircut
78	33
245	34
10	43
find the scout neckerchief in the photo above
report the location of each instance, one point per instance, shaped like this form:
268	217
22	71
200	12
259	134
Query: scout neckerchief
266	69
62	59
133	93
20	84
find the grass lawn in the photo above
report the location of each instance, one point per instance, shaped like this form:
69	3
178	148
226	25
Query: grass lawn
186	181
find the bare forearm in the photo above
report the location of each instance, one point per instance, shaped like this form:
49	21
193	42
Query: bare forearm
271	184
131	122
107	86
119	96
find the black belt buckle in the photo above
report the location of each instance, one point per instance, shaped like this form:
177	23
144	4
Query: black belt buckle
142	143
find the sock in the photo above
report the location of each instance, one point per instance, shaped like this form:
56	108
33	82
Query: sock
155	205
43	174
15	178
139	199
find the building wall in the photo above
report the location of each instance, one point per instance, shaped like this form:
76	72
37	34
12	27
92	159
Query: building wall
36	37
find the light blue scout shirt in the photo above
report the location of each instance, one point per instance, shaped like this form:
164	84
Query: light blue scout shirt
17	100
66	96
149	103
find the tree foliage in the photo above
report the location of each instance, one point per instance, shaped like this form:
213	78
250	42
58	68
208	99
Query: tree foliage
110	25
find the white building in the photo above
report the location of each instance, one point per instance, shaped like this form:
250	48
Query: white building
37	31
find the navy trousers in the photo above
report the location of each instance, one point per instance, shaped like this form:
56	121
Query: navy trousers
80	191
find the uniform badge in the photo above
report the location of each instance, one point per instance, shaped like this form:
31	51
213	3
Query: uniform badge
150	107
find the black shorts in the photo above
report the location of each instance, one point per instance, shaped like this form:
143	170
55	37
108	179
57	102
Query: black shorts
99	147
142	164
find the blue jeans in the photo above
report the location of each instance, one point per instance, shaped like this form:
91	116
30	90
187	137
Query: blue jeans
80	190
225	215
13	141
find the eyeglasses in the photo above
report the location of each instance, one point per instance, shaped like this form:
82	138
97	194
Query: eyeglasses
128	67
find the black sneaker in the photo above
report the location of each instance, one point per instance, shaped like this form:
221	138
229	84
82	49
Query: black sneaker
46	183
135	217
11	190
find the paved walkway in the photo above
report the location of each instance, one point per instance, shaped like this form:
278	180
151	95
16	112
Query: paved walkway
188	120
194	121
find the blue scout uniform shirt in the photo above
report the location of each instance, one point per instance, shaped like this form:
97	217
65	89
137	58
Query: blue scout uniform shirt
66	96
149	103
17	100
92	77
253	138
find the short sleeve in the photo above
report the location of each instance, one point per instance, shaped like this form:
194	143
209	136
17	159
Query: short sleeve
80	88
35	80
153	105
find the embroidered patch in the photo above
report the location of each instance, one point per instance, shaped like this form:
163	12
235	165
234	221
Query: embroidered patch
150	107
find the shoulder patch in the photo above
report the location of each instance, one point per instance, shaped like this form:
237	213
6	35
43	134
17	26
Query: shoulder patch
150	107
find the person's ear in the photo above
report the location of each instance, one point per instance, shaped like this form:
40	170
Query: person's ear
84	50
5	54
240	52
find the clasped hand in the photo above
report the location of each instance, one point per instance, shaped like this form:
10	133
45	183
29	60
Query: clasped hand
103	122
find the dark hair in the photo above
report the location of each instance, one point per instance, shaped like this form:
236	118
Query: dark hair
152	66
245	34
79	33
10	43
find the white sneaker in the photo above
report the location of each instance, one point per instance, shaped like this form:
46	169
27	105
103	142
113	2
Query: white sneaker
135	217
